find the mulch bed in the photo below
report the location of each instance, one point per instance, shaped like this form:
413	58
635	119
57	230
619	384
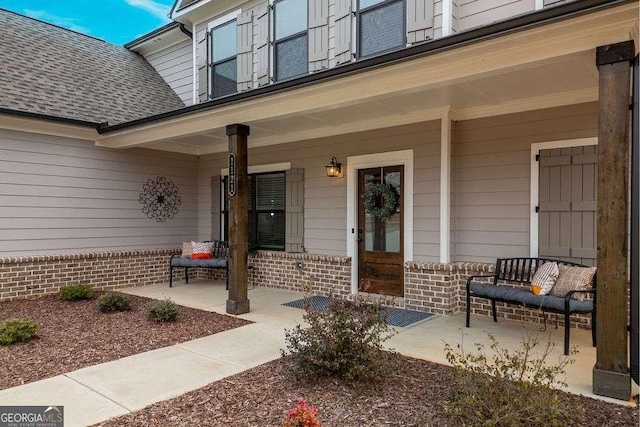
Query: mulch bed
414	395
75	334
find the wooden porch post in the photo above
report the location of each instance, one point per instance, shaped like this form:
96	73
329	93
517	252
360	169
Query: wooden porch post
238	303
610	375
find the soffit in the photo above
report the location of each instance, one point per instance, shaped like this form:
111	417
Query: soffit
537	68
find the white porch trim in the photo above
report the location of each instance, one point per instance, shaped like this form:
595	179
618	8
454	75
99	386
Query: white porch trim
445	186
404	157
535	177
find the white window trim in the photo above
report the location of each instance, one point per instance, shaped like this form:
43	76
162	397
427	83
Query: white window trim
539	4
224	19
211	25
535	183
270	167
194	42
392	158
447	17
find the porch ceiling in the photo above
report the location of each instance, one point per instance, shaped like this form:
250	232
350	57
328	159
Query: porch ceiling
537	68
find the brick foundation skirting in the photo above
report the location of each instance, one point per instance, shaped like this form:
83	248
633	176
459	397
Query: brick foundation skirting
431	287
35	275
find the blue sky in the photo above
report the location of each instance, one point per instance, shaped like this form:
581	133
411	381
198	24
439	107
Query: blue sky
116	21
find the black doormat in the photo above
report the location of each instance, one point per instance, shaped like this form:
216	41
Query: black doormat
396	317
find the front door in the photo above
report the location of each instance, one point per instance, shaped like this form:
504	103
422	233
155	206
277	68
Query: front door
380	230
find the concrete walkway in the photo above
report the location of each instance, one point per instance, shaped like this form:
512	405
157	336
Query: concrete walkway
99	392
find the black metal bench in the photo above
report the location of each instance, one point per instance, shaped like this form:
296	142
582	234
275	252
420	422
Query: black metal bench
521	270
220	252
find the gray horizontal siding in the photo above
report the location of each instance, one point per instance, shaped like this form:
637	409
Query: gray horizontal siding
475	13
60	195
175	65
492	177
325	203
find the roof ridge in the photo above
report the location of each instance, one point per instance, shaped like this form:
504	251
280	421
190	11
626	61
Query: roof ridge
56	26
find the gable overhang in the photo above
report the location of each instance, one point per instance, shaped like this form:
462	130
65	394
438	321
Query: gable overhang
495	70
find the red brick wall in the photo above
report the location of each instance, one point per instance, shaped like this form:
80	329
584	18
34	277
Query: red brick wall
431	287
33	275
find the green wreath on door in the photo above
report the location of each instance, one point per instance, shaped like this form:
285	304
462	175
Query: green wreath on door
389	197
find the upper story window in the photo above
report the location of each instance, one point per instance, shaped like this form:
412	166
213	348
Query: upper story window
291	44
381	26
223	59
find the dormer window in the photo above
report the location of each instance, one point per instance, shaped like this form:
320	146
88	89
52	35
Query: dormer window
291	39
381	26
223	59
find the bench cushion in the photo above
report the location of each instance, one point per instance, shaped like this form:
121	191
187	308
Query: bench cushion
525	296
199	263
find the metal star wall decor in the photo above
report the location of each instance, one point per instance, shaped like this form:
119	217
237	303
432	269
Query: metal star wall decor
160	199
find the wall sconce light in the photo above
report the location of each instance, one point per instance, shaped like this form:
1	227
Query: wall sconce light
333	168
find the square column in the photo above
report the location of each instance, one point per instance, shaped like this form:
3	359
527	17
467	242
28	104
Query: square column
611	375
238	303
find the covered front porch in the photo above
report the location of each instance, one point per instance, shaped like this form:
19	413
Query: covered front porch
422	340
458	129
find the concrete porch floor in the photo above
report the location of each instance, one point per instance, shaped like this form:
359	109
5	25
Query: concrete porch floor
422	340
97	393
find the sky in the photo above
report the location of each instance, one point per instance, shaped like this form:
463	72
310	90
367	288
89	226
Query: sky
116	21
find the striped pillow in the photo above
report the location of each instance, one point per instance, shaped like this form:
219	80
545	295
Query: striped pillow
201	250
545	278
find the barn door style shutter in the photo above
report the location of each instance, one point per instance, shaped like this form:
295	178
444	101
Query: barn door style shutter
215	207
567	204
343	31
318	34
203	66
262	44
419	20
244	26
294	211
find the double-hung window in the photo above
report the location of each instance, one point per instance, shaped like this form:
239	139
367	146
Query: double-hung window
291	44
266	210
223	59
381	26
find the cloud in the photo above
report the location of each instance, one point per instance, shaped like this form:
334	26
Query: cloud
154	8
69	23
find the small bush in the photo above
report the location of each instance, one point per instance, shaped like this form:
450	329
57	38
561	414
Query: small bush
17	330
509	388
302	415
343	340
114	301
163	311
75	292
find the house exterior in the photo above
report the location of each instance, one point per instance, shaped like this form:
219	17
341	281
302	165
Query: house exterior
478	119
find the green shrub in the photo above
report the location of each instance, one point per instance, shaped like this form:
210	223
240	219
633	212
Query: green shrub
114	301
75	292
163	311
343	340
17	330
509	388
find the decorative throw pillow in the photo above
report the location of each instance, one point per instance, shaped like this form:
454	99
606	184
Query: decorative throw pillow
186	250
201	250
545	278
572	279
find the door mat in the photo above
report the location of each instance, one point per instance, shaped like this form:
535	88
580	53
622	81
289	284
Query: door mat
396	316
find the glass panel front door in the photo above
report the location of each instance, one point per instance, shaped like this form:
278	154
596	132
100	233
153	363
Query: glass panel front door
380	230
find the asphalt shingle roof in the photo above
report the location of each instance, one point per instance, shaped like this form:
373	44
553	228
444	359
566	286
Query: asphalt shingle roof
50	70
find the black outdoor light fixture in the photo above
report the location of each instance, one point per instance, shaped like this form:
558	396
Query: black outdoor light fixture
333	168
